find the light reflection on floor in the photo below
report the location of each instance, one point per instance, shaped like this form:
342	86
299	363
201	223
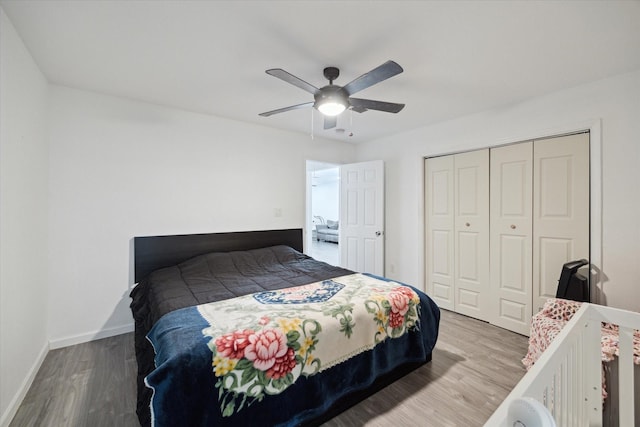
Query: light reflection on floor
325	251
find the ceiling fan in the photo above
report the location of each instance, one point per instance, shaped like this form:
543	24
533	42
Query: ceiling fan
331	100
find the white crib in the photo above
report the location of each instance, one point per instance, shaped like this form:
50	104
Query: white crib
567	378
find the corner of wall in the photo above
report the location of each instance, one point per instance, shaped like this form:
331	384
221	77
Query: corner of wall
12	408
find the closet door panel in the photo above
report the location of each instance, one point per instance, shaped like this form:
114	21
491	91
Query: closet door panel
561	210
511	236
472	233
439	188
554	251
513	271
442	268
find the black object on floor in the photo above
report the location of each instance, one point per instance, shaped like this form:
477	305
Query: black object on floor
573	285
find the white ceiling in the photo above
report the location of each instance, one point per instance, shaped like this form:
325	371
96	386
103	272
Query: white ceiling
459	57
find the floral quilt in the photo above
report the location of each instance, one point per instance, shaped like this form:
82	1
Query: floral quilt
281	357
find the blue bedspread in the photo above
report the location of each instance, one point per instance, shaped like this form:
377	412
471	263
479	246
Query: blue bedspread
281	358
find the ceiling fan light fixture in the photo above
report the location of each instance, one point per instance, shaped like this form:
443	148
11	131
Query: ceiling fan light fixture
331	100
331	108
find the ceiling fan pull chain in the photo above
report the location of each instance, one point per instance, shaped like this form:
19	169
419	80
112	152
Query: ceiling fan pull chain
350	121
312	124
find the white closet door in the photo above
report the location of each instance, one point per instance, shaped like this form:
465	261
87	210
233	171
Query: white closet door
511	236
561	210
471	227
439	187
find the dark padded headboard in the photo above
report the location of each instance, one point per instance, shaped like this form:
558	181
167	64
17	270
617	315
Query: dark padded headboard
154	252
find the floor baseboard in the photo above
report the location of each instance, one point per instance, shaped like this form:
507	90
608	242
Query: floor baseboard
12	409
91	336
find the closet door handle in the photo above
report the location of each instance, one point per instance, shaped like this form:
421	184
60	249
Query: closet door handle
513	227
467	224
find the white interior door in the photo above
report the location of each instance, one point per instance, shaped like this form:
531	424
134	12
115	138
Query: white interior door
439	253
471	231
361	237
561	209
511	236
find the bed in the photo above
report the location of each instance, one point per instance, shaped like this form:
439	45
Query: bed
583	362
244	329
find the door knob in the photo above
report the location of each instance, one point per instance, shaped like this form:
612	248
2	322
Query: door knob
467	224
513	227
378	233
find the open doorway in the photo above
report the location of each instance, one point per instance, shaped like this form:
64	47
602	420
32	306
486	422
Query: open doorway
323	211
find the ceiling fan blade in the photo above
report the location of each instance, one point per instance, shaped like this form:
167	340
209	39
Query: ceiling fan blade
362	105
282	110
330	122
378	74
290	78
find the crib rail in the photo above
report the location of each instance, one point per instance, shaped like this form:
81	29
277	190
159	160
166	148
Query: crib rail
567	378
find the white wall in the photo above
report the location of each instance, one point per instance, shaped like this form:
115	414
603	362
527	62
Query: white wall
121	169
326	194
23	219
616	101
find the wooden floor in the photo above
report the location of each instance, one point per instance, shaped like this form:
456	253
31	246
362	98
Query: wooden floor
474	367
